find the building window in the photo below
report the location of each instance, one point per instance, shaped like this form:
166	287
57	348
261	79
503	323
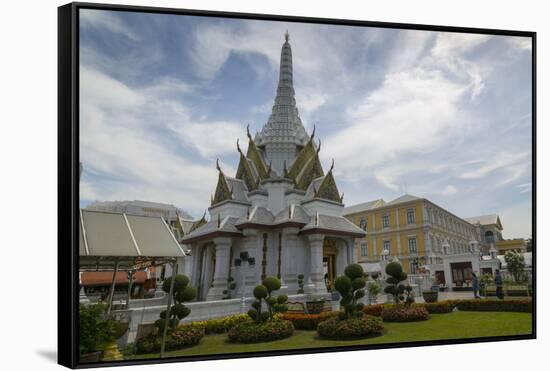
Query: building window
387	246
364	249
413	267
489	237
385	221
363	223
412	245
410	216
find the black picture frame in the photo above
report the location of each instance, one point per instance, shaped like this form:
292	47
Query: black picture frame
68	178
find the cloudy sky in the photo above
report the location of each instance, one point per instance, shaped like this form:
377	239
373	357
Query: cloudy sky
438	115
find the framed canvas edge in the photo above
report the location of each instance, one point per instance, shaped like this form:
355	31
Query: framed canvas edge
68	180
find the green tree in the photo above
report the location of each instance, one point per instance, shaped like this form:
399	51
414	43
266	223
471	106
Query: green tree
516	265
182	293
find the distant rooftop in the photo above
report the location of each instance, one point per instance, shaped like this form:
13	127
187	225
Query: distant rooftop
364	206
484	219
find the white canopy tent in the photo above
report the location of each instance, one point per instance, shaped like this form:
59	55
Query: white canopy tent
116	241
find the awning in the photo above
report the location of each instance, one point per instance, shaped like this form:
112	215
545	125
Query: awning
131	241
106	278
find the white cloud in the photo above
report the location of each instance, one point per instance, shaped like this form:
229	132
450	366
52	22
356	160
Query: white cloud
413	111
513	163
123	147
449	190
106	20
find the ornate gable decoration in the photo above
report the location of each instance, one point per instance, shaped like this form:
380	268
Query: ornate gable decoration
223	192
199	223
311	171
328	189
304	156
255	155
245	172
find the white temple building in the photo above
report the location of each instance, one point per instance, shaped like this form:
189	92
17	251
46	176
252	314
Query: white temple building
281	209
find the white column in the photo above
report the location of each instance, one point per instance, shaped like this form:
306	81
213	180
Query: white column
251	246
316	263
221	272
288	259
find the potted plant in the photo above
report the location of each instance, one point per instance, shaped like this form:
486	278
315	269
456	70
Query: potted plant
315	306
431	295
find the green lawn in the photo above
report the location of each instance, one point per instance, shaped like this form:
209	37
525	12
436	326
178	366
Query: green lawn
455	325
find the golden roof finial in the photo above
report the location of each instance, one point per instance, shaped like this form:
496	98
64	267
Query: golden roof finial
248	132
218	165
312	133
319	146
331	166
238	147
287	36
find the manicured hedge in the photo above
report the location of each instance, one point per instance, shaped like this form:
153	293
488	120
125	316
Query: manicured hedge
353	328
184	336
223	324
491	305
438	307
401	313
303	321
254	332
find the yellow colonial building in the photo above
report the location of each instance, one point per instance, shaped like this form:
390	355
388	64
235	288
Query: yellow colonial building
515	244
420	234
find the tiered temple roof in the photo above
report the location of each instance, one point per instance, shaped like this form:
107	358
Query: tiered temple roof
281	151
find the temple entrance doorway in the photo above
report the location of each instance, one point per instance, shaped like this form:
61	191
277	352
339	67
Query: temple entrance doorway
329	262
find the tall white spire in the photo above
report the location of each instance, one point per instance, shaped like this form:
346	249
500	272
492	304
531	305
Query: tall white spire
283	135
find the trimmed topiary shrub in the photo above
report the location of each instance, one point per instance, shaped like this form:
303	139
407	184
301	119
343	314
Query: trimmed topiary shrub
274	304
182	293
399	291
351	287
399	313
254	332
353	328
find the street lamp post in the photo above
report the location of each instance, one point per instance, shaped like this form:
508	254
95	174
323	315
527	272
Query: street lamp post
242	261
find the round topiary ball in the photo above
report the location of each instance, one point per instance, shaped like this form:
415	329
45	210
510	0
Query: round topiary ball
354	271
342	284
358	283
394	269
260	292
281	299
403	276
187	294
272	283
181	282
271	300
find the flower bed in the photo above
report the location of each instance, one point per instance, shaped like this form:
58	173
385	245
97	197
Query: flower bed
184	336
223	324
400	313
353	328
525	305
303	321
254	332
374	310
